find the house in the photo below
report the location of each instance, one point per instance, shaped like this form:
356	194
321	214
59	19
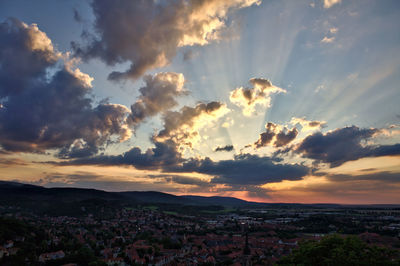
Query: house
51	256
115	261
3	252
9	244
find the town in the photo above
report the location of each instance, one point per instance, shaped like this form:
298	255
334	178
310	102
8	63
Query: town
148	235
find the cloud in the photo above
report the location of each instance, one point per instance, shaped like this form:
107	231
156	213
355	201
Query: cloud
160	28
277	135
91	180
330	38
344	144
25	54
260	95
307	125
224	148
246	169
319	88
285	137
189	55
180	130
164	154
40	112
243	170
193	181
77	16
390	131
183	126
158	95
330	3
327	39
383	176
375	188
267	136
333	30
384	150
62	178
12	162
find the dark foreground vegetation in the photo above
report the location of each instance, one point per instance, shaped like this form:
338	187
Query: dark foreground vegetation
338	250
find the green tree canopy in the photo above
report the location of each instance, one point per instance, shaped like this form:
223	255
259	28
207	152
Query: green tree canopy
337	250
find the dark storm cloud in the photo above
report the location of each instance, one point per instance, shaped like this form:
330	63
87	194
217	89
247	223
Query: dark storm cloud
164	154
147	34
384	150
267	136
246	169
282	151
25	54
185	180
224	148
40	112
158	95
342	145
282	136
78	149
384	176
77	16
369	169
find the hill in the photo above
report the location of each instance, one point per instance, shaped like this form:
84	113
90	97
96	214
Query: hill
80	201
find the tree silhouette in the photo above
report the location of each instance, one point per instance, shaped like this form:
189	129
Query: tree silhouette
337	250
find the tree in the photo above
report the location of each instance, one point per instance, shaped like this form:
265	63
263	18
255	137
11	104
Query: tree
337	250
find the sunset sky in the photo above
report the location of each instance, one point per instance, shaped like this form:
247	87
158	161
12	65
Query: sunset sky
264	100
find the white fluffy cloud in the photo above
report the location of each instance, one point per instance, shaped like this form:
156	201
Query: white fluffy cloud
330	3
260	95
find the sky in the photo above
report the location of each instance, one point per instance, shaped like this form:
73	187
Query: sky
264	100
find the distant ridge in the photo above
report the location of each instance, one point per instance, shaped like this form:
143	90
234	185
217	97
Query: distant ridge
30	194
19	191
154	197
217	200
